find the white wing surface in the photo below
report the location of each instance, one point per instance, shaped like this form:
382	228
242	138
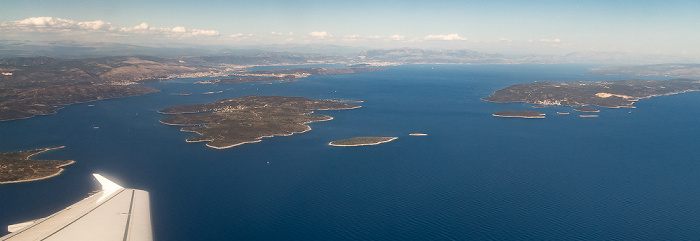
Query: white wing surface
114	213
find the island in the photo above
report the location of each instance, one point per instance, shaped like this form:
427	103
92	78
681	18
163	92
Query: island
19	167
520	114
362	141
586	109
231	122
609	94
283	75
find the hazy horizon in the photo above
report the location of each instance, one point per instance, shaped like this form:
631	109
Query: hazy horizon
506	27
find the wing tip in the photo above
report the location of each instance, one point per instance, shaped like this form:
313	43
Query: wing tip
107	185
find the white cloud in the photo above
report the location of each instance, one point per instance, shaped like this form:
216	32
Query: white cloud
179	29
66	26
202	32
49	24
446	37
352	37
319	34
241	36
546	40
397	37
281	34
142	26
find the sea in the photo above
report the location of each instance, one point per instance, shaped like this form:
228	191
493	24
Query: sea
629	174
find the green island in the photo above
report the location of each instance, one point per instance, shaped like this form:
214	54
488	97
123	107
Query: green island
284	75
231	122
609	94
362	141
520	114
18	167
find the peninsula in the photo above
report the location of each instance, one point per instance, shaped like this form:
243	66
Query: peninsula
362	141
586	109
231	122
520	114
284	75
42	85
18	167
609	94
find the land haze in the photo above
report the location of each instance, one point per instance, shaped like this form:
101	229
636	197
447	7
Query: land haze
691	71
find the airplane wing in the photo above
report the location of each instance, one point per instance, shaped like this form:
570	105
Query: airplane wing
114	213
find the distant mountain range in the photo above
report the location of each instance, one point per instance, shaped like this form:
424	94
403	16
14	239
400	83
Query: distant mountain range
270	54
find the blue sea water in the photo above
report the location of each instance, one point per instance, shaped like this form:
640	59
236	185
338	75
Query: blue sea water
629	174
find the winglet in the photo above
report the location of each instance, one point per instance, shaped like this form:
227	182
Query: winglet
108	186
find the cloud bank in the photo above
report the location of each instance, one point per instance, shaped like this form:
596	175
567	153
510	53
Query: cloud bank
66	26
319	34
446	37
52	28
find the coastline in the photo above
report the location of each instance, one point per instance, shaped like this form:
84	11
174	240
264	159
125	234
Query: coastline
59	167
60	170
526	117
279	128
258	139
366	144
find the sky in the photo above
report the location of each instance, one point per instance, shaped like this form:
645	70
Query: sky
497	26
